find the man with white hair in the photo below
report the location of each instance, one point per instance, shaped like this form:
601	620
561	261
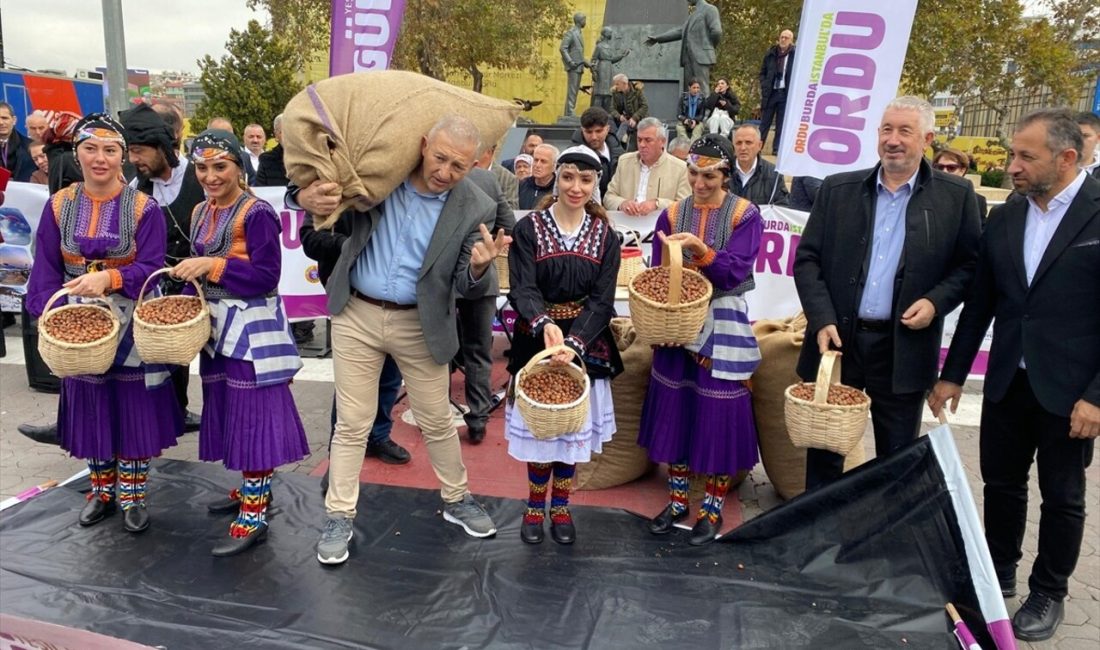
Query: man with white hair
887	253
647	180
679	147
37	123
541	181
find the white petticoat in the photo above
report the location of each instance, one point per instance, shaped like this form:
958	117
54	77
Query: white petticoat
599	426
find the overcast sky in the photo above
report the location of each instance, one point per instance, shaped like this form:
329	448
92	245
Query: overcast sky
160	34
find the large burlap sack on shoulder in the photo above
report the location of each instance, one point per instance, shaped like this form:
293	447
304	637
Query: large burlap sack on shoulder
622	460
780	343
363	130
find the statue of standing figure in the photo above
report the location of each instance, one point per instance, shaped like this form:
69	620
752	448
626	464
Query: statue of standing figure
603	58
698	38
572	57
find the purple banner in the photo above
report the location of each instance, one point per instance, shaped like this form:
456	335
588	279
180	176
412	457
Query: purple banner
363	34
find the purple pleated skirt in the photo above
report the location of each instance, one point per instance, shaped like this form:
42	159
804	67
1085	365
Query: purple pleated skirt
249	428
689	416
115	416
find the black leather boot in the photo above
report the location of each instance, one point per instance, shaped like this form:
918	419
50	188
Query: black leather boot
96	510
663	523
135	519
234	545
705	532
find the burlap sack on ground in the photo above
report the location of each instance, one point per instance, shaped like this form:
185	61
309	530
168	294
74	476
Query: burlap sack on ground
363	130
622	460
780	342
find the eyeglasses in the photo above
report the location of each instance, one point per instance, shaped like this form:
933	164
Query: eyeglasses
950	168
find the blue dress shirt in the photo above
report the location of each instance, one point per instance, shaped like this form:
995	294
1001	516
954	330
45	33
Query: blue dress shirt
886	246
389	266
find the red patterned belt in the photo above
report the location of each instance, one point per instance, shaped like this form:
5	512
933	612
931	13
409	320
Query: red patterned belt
565	310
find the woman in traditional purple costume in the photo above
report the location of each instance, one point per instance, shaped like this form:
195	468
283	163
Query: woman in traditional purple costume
698	411
102	238
249	421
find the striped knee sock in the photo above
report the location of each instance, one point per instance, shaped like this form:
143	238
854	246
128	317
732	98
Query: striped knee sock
538	475
255	495
103	474
132	476
563	486
717	487
679	482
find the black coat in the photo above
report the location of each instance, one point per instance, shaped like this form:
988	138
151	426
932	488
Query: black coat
272	171
732	105
1053	324
765	186
19	161
769	72
937	263
63	169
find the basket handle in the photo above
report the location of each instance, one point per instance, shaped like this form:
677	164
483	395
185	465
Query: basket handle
828	372
144	285
551	351
64	291
673	258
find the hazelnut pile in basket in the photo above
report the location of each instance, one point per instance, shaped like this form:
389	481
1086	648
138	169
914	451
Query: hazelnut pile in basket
170	310
838	395
79	324
553	386
653	284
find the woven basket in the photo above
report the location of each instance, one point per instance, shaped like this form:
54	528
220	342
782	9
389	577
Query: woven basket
819	425
548	421
674	323
174	344
501	262
70	359
632	264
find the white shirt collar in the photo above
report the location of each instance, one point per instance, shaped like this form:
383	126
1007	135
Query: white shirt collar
912	182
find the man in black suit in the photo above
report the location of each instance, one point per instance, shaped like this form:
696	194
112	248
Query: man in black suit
886	254
1038	280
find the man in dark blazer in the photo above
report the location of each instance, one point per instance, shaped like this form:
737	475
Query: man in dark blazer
775	77
1038	281
886	254
392	291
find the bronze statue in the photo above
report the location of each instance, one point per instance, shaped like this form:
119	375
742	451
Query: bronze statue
603	58
572	56
698	38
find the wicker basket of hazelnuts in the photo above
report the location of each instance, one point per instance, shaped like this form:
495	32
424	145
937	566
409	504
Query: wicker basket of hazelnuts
669	303
78	338
170	329
826	414
552	398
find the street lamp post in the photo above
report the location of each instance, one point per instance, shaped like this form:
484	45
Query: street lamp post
115	44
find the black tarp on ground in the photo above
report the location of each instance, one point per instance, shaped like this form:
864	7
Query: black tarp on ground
869	562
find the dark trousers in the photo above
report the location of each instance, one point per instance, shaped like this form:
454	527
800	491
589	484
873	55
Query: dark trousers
1015	431
868	364
181	376
776	106
389	385
475	332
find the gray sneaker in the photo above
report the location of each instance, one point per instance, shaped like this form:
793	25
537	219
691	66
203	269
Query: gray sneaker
332	548
471	516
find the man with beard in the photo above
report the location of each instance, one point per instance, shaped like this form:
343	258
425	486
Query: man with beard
887	253
1039	275
171	180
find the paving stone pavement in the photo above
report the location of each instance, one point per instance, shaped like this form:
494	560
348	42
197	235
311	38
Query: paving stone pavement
24	464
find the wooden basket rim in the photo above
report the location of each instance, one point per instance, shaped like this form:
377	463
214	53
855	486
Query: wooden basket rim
831	407
52	340
203	313
649	302
543	363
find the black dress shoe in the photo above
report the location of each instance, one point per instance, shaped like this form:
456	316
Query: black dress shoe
705	532
389	452
191	422
563	533
96	510
135	519
1006	579
531	532
477	434
663	523
46	434
234	545
1038	617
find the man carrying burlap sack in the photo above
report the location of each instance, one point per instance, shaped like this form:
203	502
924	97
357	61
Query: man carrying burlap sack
392	291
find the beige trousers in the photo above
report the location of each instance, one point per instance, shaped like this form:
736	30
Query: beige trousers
362	335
